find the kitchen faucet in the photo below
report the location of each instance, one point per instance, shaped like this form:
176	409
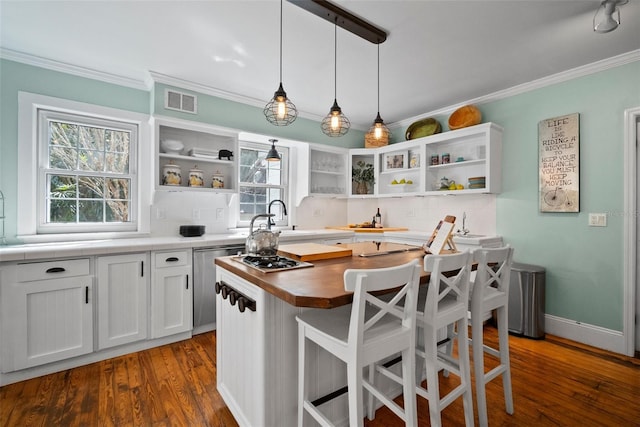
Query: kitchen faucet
464	230
284	209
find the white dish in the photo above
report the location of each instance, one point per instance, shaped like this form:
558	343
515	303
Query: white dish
171	146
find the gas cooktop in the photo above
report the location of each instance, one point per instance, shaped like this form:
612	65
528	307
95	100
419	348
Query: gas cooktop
272	263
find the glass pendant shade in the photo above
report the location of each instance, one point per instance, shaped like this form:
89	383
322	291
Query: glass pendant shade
335	123
273	155
280	111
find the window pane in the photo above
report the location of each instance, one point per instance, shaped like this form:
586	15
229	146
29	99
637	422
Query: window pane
91	138
90	210
90	160
64	134
62	157
117	141
117	162
90	187
62	211
117	211
62	186
118	188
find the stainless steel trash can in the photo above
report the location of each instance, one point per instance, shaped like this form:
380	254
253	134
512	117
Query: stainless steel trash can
526	300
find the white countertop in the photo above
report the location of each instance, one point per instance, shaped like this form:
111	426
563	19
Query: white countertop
34	251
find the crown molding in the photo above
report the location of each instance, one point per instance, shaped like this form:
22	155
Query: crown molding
75	70
585	70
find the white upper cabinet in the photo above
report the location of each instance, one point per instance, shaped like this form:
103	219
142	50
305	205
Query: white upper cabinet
200	165
463	161
322	171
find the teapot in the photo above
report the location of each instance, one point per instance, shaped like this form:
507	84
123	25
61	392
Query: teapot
262	242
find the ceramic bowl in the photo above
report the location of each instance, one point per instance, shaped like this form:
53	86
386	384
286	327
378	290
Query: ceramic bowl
171	146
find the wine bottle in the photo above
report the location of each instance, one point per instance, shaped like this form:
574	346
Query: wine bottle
378	219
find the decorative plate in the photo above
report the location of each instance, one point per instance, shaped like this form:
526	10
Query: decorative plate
422	128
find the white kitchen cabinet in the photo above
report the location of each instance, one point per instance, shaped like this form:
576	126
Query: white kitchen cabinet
480	150
196	136
171	293
473	152
368	157
123	289
400	169
321	171
47	312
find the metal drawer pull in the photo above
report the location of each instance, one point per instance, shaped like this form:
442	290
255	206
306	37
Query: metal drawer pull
56	270
172	259
244	302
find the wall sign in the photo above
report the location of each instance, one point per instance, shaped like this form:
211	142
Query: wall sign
559	147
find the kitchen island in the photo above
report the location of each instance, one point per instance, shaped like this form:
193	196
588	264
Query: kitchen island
257	348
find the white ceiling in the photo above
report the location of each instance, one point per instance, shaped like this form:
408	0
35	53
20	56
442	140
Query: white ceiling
437	53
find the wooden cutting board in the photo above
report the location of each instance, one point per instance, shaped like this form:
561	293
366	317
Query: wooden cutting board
369	230
312	251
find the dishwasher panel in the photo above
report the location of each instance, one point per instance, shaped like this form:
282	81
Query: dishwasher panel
204	279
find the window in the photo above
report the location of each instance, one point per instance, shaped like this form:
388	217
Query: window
261	182
81	174
87	176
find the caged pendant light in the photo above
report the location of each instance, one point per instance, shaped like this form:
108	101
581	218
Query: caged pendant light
378	134
335	123
280	111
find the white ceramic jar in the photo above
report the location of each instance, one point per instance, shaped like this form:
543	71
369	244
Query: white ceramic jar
171	174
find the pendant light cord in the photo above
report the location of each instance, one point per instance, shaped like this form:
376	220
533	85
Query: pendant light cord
335	60
378	78
280	41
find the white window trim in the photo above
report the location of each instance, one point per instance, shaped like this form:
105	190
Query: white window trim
27	203
259	145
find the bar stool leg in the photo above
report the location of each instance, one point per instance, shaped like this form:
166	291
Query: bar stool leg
503	340
478	365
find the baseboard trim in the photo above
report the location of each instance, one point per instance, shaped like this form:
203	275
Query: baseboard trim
596	336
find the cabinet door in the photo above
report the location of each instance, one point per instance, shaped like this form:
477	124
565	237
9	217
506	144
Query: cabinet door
51	320
171	294
122	299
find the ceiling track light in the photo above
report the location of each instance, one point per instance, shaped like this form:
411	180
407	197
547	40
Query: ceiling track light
378	134
335	123
280	111
608	23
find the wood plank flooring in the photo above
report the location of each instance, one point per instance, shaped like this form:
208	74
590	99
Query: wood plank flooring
555	383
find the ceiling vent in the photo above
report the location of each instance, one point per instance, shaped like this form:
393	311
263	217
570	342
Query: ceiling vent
174	100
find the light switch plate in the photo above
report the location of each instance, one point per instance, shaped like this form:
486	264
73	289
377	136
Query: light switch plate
597	219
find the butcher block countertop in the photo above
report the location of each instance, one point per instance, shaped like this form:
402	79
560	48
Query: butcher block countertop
322	286
367	230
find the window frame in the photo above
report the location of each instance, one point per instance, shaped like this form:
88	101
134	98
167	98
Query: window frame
285	190
29	196
44	226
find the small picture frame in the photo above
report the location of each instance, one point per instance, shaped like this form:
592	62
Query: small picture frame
396	160
414	160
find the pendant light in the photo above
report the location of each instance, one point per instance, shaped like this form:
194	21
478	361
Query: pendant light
378	134
273	155
608	23
280	111
335	123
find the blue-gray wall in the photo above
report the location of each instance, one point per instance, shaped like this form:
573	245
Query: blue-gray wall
584	264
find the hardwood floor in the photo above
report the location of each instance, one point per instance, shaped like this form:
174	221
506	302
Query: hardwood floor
555	383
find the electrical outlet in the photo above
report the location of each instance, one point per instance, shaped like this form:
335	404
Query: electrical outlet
318	212
597	220
219	213
161	213
195	214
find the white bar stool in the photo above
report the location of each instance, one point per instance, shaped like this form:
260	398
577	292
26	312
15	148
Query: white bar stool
443	304
362	333
491	292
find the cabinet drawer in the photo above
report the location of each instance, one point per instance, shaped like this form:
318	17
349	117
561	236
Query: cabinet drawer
171	259
53	269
